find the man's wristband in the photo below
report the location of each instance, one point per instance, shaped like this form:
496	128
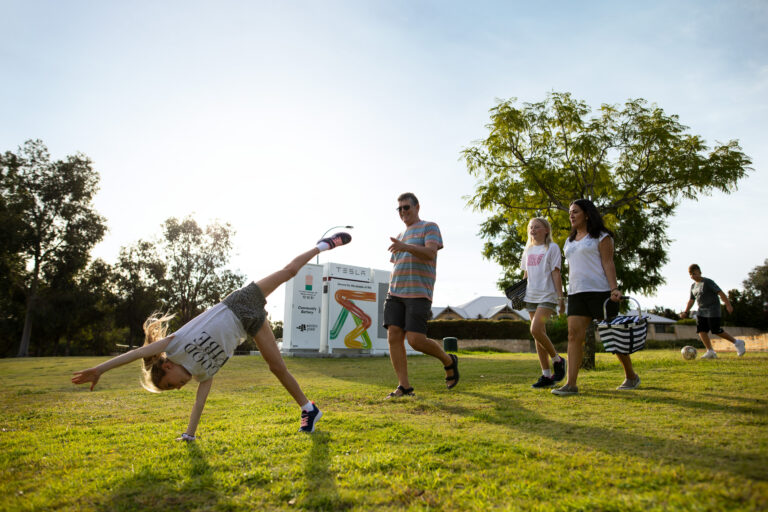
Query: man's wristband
615	290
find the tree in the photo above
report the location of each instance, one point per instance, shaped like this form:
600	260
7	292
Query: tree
58	225
194	259
635	162
11	262
750	307
183	271
138	277
78	309
664	312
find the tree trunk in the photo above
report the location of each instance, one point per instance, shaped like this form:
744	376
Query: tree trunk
588	362
26	334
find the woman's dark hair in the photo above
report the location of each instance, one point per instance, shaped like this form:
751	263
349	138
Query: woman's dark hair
595	224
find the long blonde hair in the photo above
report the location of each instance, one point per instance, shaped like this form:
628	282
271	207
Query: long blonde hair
545	222
155	329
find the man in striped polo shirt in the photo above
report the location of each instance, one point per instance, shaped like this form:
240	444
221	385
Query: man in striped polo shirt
409	300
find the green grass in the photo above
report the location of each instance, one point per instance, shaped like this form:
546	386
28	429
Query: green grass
694	437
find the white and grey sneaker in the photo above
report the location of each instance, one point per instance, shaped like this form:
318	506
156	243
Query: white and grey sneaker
740	347
565	390
630	384
709	354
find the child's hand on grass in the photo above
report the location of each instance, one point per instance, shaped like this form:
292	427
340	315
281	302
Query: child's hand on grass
90	375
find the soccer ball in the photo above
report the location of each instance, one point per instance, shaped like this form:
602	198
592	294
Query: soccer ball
688	353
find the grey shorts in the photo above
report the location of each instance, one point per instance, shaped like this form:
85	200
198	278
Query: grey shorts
533	306
247	304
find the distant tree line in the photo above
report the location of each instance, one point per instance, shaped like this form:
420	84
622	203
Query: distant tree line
56	300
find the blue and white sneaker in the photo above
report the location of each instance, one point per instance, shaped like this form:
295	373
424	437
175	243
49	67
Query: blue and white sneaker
308	419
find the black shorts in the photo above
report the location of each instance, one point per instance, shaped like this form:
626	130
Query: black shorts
591	304
410	315
708	323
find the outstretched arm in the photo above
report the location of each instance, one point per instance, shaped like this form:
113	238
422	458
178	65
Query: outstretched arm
197	410
92	374
725	300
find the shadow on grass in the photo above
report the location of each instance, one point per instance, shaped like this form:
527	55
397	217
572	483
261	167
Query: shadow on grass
320	481
508	412
754	406
154	487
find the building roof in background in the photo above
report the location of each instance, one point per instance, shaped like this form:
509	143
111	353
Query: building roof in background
488	306
481	307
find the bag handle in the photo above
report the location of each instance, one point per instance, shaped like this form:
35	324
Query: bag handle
623	297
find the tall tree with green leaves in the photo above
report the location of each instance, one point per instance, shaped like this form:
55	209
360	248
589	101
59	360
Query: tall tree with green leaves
635	162
750	306
58	224
138	278
195	260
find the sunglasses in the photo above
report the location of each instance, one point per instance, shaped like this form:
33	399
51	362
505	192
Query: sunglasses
403	208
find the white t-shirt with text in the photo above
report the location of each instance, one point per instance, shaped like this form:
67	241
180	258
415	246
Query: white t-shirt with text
206	342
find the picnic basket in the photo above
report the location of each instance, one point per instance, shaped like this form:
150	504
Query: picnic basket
623	334
516	293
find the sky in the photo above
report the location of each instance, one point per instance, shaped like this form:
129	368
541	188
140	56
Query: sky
285	119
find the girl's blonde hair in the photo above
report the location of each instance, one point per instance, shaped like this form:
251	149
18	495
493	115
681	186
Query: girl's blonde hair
155	328
547	239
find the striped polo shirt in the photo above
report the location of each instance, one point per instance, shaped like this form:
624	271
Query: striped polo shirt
414	278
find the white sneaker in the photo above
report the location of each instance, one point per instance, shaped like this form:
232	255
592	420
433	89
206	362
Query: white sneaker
740	348
709	354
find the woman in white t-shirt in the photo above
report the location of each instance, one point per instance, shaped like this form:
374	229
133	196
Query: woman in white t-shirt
591	280
201	346
543	296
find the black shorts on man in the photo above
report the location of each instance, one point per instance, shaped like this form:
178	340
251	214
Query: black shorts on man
410	315
708	324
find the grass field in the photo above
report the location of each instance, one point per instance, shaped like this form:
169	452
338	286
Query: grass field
694	437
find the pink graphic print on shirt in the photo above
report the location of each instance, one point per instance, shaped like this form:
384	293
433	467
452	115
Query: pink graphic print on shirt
534	259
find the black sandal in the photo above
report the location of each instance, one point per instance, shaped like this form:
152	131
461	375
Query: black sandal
403	392
455	367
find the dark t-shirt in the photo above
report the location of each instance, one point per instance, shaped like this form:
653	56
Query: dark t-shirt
705	294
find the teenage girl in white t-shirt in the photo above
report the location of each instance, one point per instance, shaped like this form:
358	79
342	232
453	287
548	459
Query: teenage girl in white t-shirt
202	345
543	296
591	280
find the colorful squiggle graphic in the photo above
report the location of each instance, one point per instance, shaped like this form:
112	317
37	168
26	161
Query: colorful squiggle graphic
362	320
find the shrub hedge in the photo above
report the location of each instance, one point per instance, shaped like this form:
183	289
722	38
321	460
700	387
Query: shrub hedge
478	329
